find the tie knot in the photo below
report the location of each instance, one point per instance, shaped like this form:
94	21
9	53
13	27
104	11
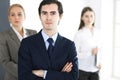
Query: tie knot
50	40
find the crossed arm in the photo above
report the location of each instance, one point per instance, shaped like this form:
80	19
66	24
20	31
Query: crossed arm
67	68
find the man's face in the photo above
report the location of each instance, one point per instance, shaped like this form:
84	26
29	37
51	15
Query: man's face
50	16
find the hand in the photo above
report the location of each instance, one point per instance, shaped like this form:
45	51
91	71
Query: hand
94	51
99	66
39	73
68	67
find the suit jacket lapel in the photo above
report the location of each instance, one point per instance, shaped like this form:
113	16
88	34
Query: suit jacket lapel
42	46
14	36
57	47
57	43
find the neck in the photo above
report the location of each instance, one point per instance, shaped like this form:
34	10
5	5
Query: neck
20	30
90	28
50	33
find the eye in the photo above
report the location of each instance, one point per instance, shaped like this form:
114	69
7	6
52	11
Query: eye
86	16
43	13
12	14
91	16
53	13
19	14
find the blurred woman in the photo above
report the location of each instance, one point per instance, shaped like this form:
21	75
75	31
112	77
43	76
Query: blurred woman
10	41
88	44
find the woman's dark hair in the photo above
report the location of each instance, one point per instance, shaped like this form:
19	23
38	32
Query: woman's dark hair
85	9
46	2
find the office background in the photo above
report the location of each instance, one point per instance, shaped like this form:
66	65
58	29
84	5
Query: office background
104	9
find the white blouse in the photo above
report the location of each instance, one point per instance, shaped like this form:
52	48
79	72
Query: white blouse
18	34
85	41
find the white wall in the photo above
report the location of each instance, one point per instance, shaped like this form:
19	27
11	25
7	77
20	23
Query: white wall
107	29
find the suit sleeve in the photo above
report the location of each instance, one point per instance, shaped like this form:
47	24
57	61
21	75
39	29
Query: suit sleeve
25	63
73	75
9	65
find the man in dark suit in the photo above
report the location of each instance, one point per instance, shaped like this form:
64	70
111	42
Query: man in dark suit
36	61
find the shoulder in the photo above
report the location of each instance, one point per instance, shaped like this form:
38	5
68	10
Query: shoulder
4	35
68	45
32	37
31	31
79	33
6	32
65	40
97	31
29	41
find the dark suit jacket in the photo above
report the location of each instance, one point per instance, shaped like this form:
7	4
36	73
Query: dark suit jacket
9	45
33	56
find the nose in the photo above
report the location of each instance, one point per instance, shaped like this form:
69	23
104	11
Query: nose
48	16
16	17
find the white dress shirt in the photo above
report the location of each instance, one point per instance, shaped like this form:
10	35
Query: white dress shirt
85	41
45	37
18	34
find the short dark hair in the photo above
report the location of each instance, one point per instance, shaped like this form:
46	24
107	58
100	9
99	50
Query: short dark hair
45	2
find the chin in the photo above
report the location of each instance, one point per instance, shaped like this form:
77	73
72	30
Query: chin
48	28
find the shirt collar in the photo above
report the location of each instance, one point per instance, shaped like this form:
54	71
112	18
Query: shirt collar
45	36
18	35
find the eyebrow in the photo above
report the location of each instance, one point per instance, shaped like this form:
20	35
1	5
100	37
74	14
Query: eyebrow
14	12
47	12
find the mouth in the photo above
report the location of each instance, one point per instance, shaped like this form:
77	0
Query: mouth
16	21
48	23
